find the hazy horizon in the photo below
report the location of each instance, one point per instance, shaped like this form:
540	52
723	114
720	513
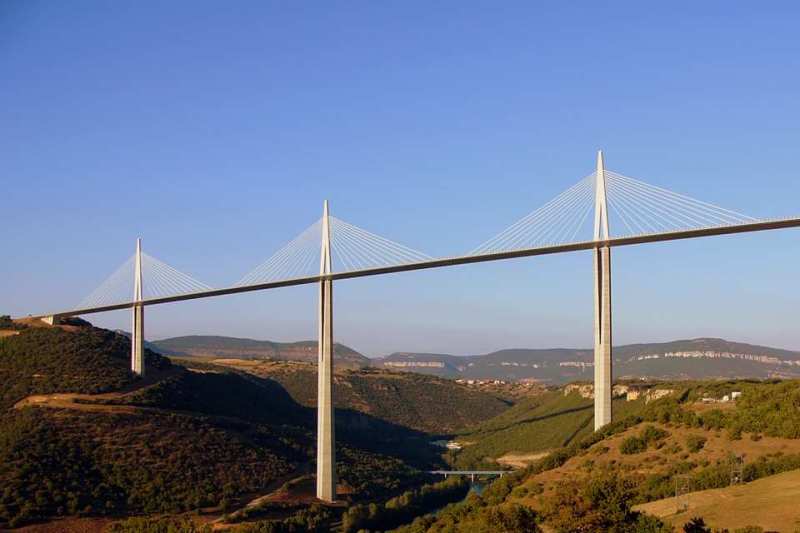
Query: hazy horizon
386	354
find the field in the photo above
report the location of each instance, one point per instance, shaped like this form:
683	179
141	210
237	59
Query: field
533	426
771	503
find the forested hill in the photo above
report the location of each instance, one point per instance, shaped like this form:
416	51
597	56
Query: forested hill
681	359
47	360
238	348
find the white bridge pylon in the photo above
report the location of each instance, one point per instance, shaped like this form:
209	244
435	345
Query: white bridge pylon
142	276
351	249
637	209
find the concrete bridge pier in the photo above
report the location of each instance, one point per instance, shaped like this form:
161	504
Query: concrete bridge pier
602	304
326	454
137	331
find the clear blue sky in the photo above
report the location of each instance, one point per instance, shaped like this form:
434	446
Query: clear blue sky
215	130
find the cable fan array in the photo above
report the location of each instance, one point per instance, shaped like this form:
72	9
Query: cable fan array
159	280
644	208
352	248
634	208
559	220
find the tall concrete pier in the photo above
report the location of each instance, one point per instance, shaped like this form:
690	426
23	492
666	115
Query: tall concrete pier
326	454
602	304
137	333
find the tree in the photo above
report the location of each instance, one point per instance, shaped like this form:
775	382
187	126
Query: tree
696	525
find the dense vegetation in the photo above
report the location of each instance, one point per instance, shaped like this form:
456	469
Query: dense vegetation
477	515
46	360
770	408
404	508
56	463
600	503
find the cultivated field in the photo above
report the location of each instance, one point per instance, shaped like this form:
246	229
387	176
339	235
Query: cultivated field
771	502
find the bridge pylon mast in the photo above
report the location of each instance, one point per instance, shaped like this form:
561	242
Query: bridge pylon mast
137	333
326	454
602	303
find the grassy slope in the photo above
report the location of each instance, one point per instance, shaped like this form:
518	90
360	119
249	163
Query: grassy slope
546	422
762	425
770	503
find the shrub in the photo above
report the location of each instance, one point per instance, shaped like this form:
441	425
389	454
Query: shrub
695	443
652	434
696	525
158	525
632	445
404	508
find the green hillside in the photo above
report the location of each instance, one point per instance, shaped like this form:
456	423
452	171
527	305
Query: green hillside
598	482
546	422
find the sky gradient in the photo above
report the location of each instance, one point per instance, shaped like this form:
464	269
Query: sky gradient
215	131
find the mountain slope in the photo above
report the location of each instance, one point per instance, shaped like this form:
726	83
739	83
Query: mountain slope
239	348
175	441
682	359
419	402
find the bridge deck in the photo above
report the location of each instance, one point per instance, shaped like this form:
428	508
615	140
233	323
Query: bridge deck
452	261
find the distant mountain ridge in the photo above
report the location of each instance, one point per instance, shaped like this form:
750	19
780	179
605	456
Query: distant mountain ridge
243	348
698	358
680	359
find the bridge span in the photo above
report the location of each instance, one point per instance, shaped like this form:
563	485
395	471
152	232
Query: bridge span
643	213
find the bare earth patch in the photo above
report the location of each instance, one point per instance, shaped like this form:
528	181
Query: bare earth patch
770	502
521	460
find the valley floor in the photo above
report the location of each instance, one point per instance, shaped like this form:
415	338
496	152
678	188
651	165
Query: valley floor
770	502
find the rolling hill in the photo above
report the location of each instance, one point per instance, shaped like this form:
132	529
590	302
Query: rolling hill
238	348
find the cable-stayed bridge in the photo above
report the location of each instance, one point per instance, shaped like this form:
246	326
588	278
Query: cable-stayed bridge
580	218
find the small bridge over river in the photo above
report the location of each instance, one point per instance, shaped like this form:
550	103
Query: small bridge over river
471	473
